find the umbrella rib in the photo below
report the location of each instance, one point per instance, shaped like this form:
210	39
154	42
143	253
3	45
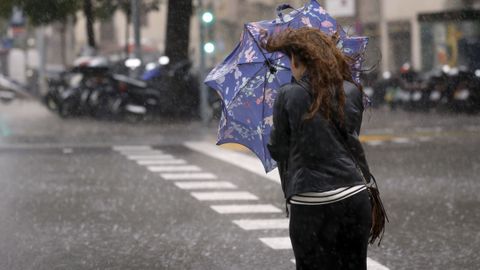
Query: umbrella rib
263	113
258	45
280	66
279	58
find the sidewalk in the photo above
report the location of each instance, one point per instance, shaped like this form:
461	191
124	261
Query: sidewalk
27	121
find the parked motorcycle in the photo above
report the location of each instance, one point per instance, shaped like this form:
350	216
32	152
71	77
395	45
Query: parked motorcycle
447	89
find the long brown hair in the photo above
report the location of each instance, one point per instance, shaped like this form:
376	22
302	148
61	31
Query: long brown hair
327	66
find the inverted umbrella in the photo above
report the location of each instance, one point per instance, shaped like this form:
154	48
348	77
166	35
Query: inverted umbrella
248	79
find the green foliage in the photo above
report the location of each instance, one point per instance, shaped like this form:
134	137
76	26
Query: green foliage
105	9
47	11
6	7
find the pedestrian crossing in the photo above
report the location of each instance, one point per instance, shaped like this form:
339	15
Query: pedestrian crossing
277	243
223	197
205	185
396	140
262	224
188	176
178	168
246	209
192	178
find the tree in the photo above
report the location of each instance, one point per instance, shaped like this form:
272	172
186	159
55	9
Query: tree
41	12
107	8
44	12
89	14
178	29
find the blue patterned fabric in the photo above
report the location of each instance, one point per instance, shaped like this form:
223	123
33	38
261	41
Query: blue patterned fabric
248	79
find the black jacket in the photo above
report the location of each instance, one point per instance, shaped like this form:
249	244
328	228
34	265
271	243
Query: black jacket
311	155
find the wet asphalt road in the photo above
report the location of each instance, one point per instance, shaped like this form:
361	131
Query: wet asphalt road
69	201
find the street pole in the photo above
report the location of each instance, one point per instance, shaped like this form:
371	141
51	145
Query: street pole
204	110
384	39
42	53
136	28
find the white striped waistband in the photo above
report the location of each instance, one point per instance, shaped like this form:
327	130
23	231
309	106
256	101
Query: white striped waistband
317	198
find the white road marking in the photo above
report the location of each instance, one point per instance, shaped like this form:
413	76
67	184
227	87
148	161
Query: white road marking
401	140
374	265
262	224
374	143
162	162
245	208
243	161
277	242
178	168
224	196
149	157
131	147
205	185
424	139
188	176
142	153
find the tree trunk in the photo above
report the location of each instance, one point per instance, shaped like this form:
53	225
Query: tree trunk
127	35
63	43
178	29
90	19
184	97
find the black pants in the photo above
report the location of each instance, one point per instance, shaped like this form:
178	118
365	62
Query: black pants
332	236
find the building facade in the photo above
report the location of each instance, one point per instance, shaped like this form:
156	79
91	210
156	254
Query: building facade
400	31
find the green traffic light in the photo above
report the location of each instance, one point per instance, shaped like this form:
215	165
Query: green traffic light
209	47
207	17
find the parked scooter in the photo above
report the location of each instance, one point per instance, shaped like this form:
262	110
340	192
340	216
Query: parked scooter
447	89
135	100
80	91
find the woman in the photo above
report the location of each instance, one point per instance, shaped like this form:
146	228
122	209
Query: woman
317	120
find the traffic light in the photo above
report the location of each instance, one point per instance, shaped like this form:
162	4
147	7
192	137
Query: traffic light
207	17
209	47
208	20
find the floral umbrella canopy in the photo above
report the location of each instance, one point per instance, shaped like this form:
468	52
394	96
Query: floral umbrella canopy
248	79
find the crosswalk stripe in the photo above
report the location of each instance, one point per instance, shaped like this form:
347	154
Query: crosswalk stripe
224	196
424	139
149	157
262	224
277	242
142	153
374	143
178	168
245	208
374	265
188	176
131	147
205	185
401	140
162	162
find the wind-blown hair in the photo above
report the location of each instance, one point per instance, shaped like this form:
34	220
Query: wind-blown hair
326	66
